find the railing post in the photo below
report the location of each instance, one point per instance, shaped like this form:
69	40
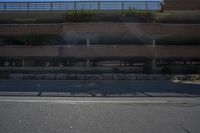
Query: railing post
4	6
74	5
28	6
123	6
98	3
51	6
146	5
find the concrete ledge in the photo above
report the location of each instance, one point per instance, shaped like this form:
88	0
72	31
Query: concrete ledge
61	76
49	76
103	77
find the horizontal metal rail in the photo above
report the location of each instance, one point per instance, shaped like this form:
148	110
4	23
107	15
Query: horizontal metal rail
81	5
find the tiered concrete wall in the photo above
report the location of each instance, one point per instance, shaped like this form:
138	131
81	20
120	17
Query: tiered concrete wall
102	51
182	5
109	27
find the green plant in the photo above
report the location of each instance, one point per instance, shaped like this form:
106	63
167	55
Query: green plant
142	16
33	39
79	16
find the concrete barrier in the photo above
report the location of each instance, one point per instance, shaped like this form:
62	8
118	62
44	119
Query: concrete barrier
76	77
39	76
158	77
49	76
142	77
130	76
104	77
29	76
16	76
107	76
61	76
93	77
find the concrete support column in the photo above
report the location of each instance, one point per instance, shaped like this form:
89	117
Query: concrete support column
6	63
14	64
154	43
23	63
155	56
154	65
47	64
68	62
88	42
87	62
60	64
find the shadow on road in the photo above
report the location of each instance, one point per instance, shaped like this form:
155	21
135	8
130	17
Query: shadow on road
98	88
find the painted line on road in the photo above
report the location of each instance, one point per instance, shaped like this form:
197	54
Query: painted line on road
75	102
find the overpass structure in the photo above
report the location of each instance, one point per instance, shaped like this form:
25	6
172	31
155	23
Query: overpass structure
151	53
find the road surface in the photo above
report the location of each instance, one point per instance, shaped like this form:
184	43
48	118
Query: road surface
99	115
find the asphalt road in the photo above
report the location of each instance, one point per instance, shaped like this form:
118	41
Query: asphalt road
101	87
99	115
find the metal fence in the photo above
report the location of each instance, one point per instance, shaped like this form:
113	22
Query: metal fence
80	5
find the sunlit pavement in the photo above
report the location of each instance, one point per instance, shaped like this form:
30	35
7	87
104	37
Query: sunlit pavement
99	115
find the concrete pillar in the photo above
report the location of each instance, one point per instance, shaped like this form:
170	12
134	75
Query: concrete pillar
155	56
68	62
87	62
154	65
14	64
88	42
6	63
47	64
60	64
23	63
154	42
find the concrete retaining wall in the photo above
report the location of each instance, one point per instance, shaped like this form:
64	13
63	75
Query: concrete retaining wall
102	27
182	5
91	52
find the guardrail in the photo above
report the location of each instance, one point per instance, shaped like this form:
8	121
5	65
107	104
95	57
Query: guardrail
81	5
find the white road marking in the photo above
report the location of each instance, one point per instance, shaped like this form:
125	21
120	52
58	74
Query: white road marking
75	102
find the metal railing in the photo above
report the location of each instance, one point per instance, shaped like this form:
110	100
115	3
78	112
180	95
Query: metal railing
80	5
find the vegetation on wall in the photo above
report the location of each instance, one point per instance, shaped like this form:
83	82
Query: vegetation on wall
130	15
138	16
79	16
33	39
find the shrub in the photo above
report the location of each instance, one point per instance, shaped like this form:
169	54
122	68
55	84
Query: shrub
79	16
33	39
138	16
